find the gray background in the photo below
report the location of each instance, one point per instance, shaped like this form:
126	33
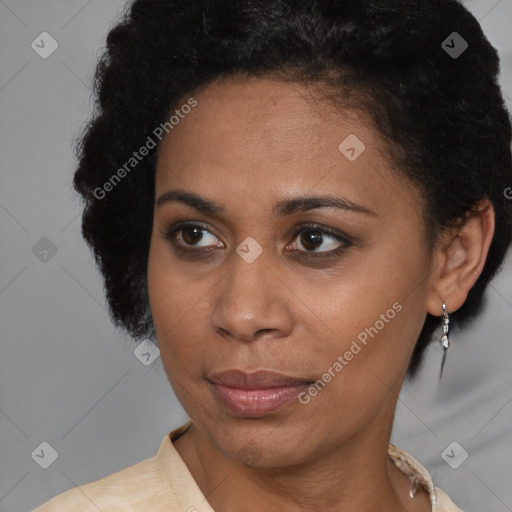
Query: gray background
68	378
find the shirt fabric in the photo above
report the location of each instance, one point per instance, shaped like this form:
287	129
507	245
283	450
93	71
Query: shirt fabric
163	483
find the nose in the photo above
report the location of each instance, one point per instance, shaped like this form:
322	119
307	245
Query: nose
252	302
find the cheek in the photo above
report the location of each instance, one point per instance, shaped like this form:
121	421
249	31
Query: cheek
372	322
176	305
363	369
167	292
163	289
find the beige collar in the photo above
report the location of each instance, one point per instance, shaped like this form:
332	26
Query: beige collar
417	474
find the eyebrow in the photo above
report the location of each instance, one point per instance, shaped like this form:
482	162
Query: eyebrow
283	208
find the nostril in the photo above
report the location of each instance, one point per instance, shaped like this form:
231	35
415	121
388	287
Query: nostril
264	331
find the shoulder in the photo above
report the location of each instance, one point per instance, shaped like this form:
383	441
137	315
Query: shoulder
130	490
145	486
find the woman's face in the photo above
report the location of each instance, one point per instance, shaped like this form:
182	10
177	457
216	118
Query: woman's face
244	287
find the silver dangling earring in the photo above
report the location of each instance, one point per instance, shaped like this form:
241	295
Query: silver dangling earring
445	341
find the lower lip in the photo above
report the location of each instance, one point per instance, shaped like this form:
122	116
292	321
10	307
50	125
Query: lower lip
256	402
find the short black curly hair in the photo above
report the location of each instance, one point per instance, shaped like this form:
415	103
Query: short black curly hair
442	114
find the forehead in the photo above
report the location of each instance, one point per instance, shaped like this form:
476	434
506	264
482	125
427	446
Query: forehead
251	117
267	139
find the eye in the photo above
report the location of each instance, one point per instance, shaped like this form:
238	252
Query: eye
190	235
312	237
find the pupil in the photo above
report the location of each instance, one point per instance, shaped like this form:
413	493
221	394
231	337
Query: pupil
194	238
312	235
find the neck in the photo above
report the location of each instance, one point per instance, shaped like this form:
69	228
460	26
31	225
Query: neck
358	475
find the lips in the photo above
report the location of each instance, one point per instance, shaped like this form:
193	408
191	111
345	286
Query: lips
261	379
256	393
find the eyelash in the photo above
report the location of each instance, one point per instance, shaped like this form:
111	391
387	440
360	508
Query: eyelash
346	240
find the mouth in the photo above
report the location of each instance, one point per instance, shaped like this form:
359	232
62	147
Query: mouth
257	393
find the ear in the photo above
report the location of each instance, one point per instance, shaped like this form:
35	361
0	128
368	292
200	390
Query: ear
459	259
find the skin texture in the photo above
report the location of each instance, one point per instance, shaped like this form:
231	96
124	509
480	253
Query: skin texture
248	144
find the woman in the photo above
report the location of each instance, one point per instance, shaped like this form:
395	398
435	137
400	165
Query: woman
292	198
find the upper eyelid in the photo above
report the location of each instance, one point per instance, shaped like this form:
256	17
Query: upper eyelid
186	224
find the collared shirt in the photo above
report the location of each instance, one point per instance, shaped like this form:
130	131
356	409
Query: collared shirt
163	483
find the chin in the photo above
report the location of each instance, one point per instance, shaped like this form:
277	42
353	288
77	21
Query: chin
258	444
